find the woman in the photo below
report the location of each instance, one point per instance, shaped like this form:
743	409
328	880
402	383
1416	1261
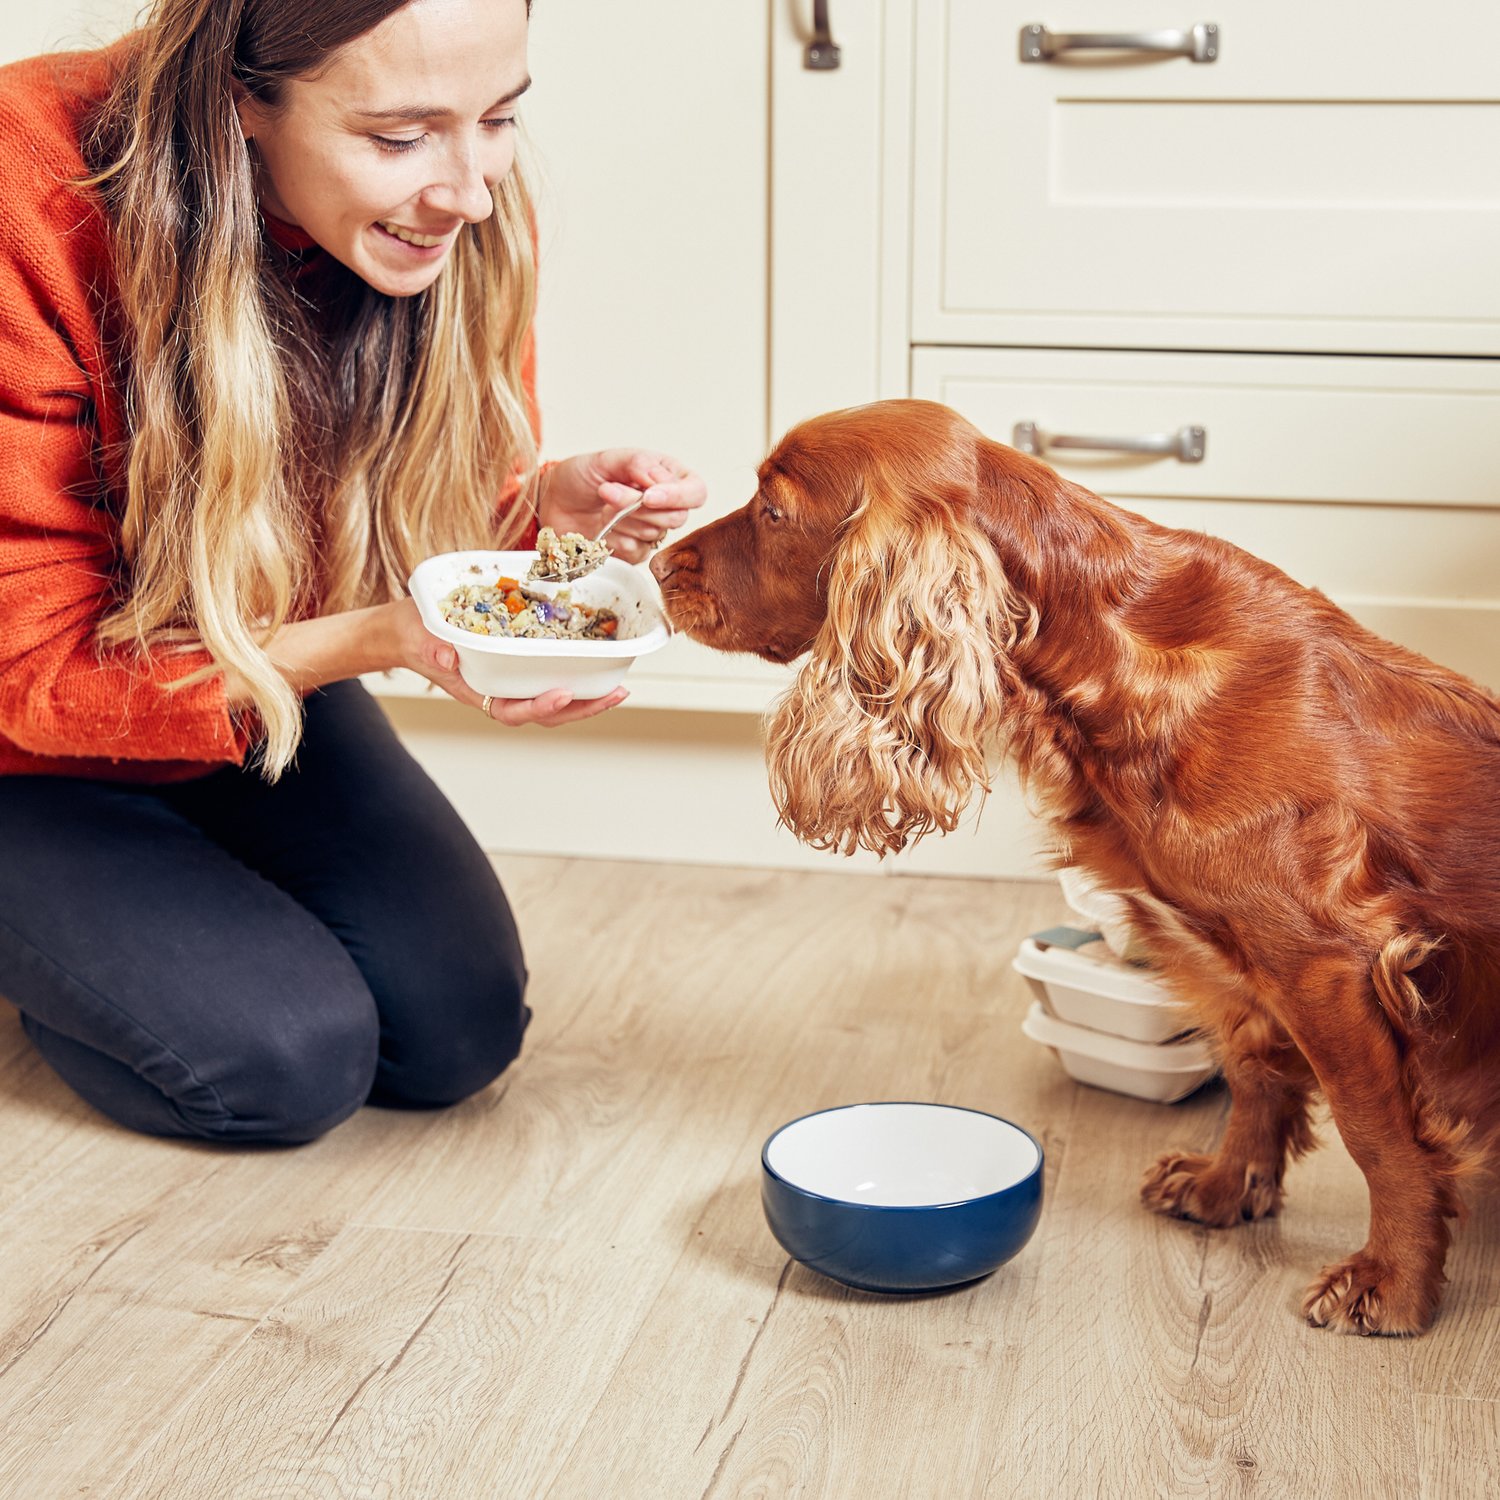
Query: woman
265	298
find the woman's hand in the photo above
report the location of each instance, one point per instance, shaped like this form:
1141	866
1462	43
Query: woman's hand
437	661
584	492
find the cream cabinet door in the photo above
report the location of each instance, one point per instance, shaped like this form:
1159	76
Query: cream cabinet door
648	127
1327	182
840	209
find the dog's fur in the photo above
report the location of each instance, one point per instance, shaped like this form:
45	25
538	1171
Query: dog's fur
1303	817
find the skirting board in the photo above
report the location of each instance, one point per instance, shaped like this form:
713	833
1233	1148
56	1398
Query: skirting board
654	784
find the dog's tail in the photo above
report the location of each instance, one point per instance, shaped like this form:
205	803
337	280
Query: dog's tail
1412	1002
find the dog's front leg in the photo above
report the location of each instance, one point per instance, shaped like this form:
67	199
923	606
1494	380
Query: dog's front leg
1269	1084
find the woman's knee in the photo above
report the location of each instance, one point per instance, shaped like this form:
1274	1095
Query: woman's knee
292	1090
463	1033
272	1085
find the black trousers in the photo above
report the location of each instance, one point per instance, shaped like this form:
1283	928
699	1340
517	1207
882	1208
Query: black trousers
238	961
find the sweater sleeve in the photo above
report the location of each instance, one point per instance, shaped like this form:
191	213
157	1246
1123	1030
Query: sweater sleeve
61	695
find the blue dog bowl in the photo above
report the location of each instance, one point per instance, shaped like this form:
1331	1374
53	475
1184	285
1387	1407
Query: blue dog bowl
902	1197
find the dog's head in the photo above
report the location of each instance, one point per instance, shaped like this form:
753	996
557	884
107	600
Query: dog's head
757	580
863	547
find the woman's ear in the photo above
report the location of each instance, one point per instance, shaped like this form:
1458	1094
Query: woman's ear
886	732
249	109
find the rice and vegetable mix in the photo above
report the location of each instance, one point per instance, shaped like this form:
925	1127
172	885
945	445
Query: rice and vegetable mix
509	607
566	556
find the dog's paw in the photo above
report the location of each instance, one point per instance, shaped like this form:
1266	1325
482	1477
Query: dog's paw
1361	1295
1188	1185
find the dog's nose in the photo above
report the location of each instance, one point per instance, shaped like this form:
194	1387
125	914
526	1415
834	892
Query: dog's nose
661	568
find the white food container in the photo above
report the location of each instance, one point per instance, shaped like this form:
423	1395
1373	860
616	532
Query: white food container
1079	980
1101	910
1162	1072
507	668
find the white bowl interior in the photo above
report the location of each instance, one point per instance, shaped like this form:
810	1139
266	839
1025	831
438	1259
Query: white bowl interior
902	1155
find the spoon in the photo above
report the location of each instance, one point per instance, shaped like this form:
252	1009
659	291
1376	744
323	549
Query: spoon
590	556
619	516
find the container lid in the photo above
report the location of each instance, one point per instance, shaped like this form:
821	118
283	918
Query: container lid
1191	1055
1057	955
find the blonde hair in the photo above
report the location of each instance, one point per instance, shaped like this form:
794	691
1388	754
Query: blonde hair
280	462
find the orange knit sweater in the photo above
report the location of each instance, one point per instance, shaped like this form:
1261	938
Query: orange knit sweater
67	707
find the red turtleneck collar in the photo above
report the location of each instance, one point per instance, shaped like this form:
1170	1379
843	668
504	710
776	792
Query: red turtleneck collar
288	236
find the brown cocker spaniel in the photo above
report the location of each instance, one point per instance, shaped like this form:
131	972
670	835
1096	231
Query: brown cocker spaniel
1303	817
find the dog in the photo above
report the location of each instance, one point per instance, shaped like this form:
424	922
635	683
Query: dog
1303	818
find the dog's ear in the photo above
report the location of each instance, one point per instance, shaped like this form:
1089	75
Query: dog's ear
887	731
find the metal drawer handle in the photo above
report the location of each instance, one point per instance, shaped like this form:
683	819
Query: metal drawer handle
822	53
1200	42
1186	444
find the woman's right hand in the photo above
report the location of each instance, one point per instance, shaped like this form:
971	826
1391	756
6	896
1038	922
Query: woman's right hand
437	661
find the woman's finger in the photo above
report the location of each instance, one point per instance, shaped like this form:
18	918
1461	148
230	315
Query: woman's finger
660	468
618	495
515	712
634	549
550	709
589	708
653	520
647	526
684	494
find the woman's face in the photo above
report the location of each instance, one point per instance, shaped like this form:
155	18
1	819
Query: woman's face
385	154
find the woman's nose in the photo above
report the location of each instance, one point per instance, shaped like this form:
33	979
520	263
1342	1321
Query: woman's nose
464	192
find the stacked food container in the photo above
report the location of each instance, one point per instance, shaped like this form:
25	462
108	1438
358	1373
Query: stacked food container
1106	1015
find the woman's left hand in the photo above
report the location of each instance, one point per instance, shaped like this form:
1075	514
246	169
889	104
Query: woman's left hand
585	492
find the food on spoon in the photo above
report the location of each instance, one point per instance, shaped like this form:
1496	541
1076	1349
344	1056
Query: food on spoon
561	558
508	608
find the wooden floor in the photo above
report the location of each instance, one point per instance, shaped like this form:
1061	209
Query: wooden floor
565	1286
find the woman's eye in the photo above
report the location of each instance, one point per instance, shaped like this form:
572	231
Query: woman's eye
410	143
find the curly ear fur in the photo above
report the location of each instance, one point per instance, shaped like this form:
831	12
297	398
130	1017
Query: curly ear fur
886	733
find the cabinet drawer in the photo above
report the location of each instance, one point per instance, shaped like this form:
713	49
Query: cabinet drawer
1312	188
1377	481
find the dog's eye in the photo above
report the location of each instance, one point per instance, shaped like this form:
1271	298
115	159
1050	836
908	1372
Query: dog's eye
771	513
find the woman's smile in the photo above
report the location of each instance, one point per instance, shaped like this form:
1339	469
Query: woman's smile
413	239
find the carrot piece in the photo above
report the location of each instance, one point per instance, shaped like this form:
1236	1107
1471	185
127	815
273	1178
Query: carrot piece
514	603
608	627
507	585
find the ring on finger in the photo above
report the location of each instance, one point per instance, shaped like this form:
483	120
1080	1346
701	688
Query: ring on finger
484	707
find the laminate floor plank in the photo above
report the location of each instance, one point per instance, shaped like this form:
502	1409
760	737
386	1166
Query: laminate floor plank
126	1285
1460	1443
48	1129
406	1363
1465	1361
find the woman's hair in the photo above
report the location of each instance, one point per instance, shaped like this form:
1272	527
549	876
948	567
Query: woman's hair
282	458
